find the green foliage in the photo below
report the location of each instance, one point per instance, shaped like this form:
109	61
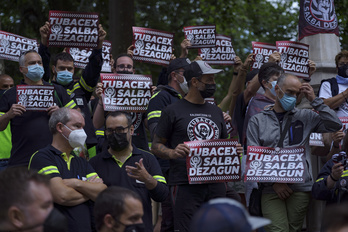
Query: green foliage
243	20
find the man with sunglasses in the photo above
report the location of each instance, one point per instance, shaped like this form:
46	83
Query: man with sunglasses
123	164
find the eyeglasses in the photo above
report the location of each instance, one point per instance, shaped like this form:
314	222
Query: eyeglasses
122	66
119	129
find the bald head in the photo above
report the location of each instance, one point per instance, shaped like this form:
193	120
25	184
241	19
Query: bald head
6	82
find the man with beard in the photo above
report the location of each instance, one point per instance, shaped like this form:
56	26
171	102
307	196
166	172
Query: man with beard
123	164
118	209
176	125
124	65
81	91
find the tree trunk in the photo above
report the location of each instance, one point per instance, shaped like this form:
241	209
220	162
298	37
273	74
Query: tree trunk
121	20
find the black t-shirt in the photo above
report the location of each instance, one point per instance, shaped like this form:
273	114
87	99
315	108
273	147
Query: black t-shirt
139	137
184	121
30	130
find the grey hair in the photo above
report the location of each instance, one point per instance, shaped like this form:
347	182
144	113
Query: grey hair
61	115
22	57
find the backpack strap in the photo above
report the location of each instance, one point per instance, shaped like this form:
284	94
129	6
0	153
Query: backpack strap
333	85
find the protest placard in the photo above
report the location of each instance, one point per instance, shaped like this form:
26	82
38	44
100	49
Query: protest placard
212	161
126	92
201	36
81	56
12	45
73	29
294	58
262	51
267	164
152	46
222	54
35	97
316	139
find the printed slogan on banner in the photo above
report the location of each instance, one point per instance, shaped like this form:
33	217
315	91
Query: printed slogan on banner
212	161
222	54
124	92
201	36
152	46
73	29
12	45
266	164
35	97
81	56
294	58
262	52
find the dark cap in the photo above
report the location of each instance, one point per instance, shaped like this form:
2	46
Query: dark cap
225	215
177	64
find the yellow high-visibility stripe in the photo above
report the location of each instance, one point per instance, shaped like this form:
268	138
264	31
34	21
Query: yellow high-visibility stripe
85	86
160	179
155	95
154	114
90	175
49	170
319	179
71	104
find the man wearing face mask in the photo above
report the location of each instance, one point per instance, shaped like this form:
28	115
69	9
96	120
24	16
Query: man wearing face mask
82	90
29	129
123	164
334	91
27	203
74	184
189	119
286	204
124	65
118	209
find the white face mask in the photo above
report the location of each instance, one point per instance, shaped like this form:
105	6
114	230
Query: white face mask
183	85
77	138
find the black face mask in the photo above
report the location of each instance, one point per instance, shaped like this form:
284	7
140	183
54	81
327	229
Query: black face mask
343	71
118	141
124	72
55	222
135	228
208	91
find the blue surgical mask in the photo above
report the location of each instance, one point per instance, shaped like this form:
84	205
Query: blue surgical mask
64	77
35	72
273	83
288	102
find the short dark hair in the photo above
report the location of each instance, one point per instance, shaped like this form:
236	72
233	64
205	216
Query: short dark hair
14	185
335	217
343	53
64	56
268	70
118	113
122	55
111	201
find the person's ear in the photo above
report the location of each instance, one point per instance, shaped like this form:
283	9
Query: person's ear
54	69
109	221
59	127
131	129
16	217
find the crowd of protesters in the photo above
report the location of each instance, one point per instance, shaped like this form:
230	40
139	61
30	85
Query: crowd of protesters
87	151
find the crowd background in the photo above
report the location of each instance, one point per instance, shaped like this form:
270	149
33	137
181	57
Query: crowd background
244	20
